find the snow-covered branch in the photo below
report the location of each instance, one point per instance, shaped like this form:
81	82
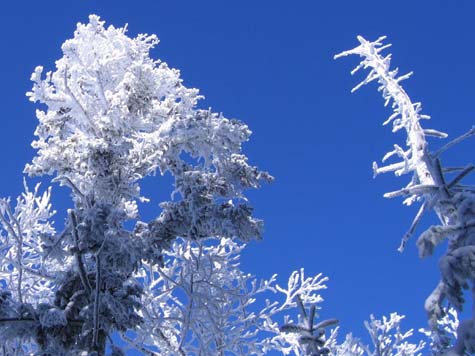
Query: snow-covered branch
452	202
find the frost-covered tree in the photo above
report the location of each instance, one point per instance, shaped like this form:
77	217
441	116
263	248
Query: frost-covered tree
110	116
434	186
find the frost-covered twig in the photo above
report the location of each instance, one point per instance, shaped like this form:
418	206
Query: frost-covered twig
387	338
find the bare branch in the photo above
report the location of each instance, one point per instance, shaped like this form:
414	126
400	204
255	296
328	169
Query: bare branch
78	254
95	332
413	226
461	176
455	141
417	189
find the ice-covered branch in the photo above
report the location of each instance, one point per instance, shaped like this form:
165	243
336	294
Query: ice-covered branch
406	114
453	203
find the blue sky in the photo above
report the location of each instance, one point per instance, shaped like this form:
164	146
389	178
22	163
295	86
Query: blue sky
270	64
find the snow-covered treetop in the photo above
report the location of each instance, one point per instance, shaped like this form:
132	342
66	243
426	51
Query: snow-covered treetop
114	115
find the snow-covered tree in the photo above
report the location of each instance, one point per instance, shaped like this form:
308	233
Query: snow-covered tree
434	186
110	116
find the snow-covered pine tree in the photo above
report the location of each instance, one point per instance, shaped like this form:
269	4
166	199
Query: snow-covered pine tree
111	116
436	187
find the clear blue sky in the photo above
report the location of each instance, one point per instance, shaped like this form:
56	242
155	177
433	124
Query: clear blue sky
269	63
